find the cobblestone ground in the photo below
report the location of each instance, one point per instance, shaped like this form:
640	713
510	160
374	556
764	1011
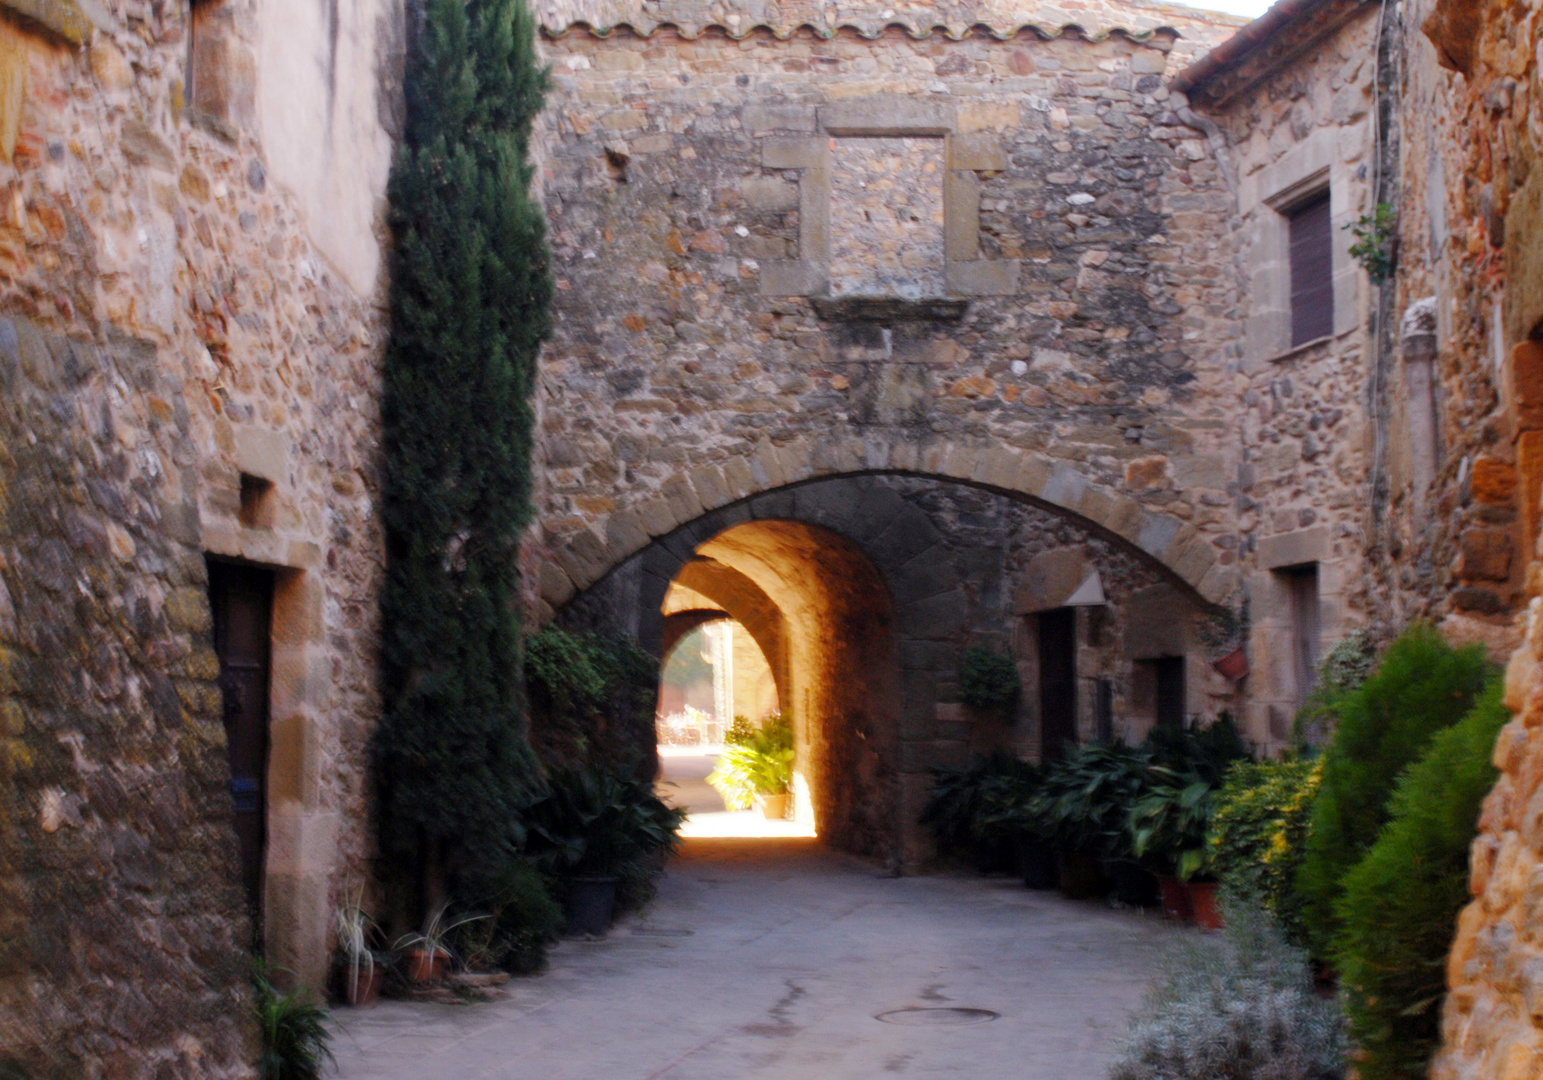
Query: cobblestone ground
772	958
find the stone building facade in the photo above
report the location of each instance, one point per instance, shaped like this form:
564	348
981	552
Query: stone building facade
889	331
190	285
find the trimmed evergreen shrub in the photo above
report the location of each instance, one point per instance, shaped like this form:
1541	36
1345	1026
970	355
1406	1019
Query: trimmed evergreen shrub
470	289
987	679
1422	686
1241	1007
1399	905
1259	832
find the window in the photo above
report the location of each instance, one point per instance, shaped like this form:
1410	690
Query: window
1157	690
1302	585
1312	270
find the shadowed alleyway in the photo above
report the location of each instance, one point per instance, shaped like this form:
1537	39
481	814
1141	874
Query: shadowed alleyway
772	959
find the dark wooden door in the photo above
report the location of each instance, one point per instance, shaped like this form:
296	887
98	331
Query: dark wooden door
1057	681
1170	691
242	600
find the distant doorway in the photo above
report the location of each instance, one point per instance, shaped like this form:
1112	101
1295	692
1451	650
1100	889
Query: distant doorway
1057	681
241	598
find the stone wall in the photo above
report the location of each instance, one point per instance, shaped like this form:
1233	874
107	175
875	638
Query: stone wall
179	325
694	215
1303	486
1469	235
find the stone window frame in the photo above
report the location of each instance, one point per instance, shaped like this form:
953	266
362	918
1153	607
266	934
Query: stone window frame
1267	197
966	155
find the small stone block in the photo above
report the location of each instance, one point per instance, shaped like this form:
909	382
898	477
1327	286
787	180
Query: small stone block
762	118
887	115
1294	548
977	152
998	277
794	277
795	153
769	193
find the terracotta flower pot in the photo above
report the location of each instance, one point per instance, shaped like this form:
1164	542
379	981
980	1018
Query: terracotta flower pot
1176	899
1234	665
589	904
367	988
1202	905
422	966
772	807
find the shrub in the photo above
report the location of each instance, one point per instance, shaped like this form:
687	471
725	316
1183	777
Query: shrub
1241	1007
955	806
592	702
987	679
294	1032
755	761
470	291
523	919
1259	830
1400	904
1422	686
1347	664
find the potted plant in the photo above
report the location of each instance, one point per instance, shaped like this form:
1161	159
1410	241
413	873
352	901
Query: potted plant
1223	634
361	976
1083	804
756	767
428	952
594	831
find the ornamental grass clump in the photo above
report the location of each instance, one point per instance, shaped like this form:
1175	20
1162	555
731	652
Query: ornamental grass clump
1423	686
294	1033
1398	907
1238	1007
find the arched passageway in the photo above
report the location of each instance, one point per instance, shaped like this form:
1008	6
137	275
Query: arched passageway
865	592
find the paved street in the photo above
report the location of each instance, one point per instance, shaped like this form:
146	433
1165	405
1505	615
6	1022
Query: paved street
772	958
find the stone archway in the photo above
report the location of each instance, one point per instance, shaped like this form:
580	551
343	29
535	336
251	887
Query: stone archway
937	606
719	492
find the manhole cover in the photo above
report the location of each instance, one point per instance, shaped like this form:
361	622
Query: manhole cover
936	1017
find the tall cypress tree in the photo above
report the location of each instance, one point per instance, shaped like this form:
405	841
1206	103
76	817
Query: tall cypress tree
471	287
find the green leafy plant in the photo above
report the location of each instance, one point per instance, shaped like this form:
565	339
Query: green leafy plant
1084	799
986	799
1422	686
1258	833
598	824
987	679
757	762
522	920
1345	666
591	701
1373	248
1398	908
1238	1007
294	1032
470	291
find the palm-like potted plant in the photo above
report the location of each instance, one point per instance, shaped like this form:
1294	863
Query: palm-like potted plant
756	767
593	830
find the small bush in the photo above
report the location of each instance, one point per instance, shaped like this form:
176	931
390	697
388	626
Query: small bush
523	919
1422	686
987	679
1259	831
1239	1008
591	702
1346	665
755	761
958	800
1400	904
294	1033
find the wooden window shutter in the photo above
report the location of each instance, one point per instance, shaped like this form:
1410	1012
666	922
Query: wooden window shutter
1312	271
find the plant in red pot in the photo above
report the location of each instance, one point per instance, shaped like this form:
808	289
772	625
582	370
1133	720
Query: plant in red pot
1170	819
358	975
427	952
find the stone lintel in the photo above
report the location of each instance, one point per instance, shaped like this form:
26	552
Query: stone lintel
1294	548
887	115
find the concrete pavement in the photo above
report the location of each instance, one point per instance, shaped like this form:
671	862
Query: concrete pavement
771	959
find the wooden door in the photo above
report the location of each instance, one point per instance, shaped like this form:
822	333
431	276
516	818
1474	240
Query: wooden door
242	601
1057	681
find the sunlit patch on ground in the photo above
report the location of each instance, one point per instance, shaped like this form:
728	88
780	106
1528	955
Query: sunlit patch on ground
683	782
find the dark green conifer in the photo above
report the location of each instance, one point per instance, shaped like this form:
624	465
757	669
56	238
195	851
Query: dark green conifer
470	291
